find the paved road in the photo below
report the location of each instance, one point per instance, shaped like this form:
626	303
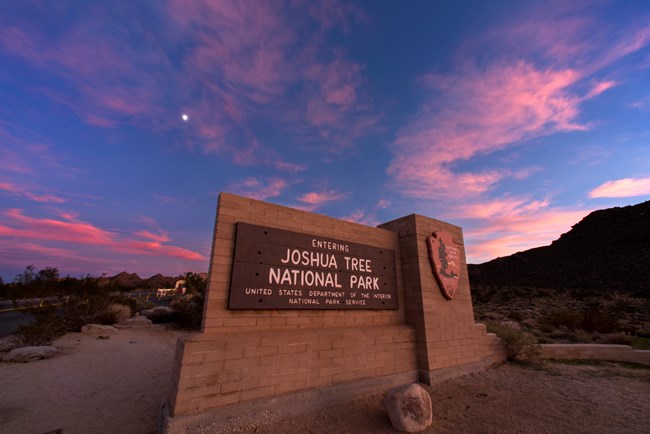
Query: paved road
9	321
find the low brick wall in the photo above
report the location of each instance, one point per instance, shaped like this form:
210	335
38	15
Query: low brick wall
230	368
620	353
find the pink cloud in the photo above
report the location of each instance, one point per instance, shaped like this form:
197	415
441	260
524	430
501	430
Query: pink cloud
159	238
641	104
364	217
155	248
239	61
313	200
626	187
477	113
109	78
10	160
22	191
266	64
70	230
491	105
51	229
600	88
508	225
323	197
259	189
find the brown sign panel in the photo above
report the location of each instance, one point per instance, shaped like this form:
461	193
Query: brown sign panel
444	256
278	269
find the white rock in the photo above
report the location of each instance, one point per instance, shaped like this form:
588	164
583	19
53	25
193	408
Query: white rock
29	354
409	408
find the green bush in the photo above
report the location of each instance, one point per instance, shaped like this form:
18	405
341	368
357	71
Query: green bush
520	346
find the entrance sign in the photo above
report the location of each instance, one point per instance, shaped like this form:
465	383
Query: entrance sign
444	256
279	269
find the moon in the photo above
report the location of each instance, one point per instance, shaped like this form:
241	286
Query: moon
185	117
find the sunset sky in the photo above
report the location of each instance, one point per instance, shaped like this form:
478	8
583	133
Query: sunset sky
120	121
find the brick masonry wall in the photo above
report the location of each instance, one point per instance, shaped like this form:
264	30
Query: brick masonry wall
242	355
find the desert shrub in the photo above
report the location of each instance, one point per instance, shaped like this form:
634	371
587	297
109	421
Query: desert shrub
515	315
546	328
640	343
563	317
495	316
643	333
617	339
123	300
188	312
541	337
160	314
105	317
529	324
520	346
564	336
85	303
595	320
482	294
194	283
47	325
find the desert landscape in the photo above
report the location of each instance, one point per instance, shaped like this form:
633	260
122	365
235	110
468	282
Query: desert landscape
117	385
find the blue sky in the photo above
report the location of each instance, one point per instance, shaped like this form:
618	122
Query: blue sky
513	120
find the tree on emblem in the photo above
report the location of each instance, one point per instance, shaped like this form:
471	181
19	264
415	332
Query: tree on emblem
442	251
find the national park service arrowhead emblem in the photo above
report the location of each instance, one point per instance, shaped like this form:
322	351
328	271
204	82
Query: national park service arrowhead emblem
444	256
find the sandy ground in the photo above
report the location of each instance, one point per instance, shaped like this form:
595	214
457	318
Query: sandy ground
117	385
94	386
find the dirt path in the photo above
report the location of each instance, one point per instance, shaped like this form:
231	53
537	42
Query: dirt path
95	386
507	399
116	386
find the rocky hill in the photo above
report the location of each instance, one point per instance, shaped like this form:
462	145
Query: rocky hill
609	250
133	281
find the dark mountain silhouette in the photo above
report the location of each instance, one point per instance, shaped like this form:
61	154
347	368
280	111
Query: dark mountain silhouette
609	250
160	281
132	281
126	280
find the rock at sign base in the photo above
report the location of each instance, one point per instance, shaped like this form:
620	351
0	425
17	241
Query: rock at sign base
98	330
29	354
409	408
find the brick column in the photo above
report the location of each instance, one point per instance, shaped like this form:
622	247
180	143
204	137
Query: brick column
449	343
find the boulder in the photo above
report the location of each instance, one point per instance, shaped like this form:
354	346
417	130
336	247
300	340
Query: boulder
98	330
137	321
121	311
409	408
29	354
159	314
